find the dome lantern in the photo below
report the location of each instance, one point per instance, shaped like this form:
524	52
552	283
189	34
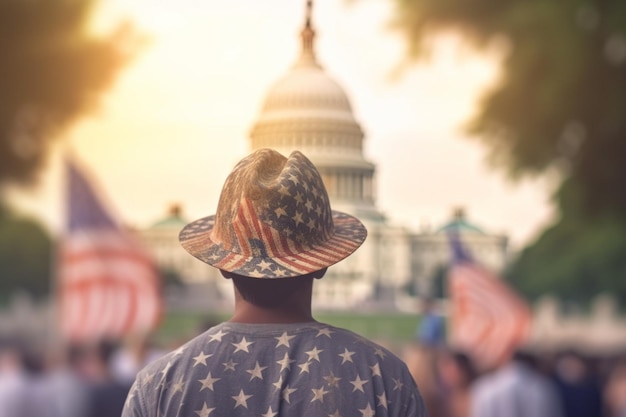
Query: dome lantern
307	57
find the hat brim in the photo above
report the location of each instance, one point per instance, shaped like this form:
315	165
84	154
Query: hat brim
349	234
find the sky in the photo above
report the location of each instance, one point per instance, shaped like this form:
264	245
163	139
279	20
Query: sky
178	117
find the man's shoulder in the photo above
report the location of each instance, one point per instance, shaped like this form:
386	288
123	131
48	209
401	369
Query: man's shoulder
170	357
346	344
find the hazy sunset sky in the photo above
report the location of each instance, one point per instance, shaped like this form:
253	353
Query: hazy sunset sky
178	117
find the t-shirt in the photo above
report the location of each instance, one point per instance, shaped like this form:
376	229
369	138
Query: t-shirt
270	370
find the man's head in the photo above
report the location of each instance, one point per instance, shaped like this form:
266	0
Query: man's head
273	221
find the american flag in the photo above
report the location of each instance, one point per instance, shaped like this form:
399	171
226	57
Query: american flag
108	287
488	319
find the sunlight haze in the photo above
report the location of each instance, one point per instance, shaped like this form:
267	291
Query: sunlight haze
178	117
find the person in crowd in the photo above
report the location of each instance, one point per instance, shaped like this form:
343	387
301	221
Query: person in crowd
106	394
455	375
421	362
135	352
421	356
515	389
615	390
580	391
30	395
12	377
431	329
274	234
67	380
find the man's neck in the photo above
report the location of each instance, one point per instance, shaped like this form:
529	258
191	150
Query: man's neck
249	313
280	301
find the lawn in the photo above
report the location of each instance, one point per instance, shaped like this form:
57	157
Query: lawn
388	327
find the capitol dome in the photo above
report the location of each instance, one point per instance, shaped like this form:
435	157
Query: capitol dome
306	92
307	110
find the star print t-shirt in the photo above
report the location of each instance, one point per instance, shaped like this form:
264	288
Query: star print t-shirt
269	370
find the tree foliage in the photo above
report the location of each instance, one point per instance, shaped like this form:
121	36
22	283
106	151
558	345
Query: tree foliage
51	71
577	258
561	99
25	257
559	104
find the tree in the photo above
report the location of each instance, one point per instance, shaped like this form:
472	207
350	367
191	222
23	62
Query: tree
560	104
577	258
25	257
52	70
561	100
171	278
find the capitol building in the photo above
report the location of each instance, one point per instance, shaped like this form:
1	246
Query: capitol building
307	110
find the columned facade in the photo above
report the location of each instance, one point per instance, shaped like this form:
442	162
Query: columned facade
306	110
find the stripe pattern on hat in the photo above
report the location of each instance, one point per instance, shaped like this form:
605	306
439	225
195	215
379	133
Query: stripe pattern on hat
281	227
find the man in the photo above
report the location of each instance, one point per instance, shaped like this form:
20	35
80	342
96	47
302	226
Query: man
273	235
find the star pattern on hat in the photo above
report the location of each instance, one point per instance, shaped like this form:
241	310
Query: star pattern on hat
289	231
210	379
301	207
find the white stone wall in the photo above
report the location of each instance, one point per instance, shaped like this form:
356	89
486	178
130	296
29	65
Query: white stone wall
600	331
163	244
431	251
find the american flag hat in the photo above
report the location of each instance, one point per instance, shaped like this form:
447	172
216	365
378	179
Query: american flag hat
273	220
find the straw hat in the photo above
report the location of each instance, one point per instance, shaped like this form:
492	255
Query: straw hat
273	221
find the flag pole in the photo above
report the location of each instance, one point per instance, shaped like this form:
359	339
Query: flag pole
65	153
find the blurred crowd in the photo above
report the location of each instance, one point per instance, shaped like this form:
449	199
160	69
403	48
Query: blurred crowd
93	380
558	384
87	380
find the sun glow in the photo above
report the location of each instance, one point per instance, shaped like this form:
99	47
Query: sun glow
178	116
